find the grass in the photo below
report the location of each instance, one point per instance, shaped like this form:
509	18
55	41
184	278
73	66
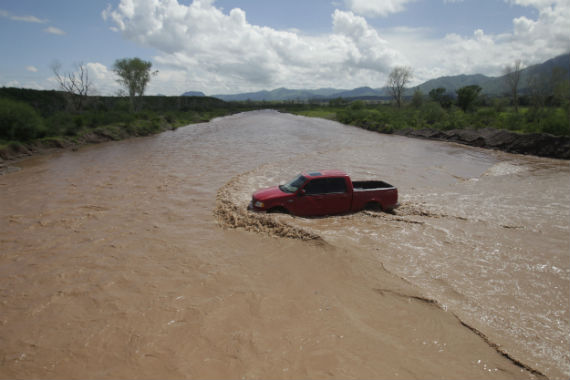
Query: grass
386	118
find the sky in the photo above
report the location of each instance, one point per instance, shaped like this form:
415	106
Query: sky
235	46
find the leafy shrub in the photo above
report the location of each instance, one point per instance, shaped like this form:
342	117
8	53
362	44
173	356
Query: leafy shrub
357	105
500	104
484	117
514	122
454	120
433	113
19	121
59	124
557	123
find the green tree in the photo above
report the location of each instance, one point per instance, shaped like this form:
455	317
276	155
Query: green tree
418	98
466	96
560	83
18	121
512	78
134	75
439	95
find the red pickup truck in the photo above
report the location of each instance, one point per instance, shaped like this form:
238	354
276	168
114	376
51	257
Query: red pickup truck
327	192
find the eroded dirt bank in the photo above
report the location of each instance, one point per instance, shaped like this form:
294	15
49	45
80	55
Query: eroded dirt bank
113	263
538	144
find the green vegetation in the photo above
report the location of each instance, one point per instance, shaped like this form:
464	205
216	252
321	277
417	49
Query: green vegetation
19	121
32	118
134	75
469	110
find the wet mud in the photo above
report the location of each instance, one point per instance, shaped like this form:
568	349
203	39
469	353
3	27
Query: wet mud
140	259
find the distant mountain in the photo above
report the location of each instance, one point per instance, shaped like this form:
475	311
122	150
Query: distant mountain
492	86
361	92
281	94
193	93
453	83
496	86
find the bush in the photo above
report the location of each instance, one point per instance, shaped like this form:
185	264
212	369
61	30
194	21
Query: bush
433	113
556	123
455	120
484	117
514	122
59	124
19	121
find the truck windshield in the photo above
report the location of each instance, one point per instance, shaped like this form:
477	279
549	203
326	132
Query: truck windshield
294	185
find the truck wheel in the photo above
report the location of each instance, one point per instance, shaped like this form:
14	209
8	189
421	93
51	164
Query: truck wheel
373	206
281	210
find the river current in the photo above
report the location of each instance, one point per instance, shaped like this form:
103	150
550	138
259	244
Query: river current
483	234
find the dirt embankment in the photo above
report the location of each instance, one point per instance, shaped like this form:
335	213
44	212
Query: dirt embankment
538	144
18	151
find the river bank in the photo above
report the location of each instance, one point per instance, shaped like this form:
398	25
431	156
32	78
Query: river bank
13	152
468	129
537	144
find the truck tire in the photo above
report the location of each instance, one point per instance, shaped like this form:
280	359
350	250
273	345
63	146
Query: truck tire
373	206
278	209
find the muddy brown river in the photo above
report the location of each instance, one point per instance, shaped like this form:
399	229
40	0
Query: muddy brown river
139	259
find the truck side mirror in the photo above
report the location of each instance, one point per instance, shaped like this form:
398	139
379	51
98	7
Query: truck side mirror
302	192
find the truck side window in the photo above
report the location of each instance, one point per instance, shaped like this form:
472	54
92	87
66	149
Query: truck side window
316	186
336	185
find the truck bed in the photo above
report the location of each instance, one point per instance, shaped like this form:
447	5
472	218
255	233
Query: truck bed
370	185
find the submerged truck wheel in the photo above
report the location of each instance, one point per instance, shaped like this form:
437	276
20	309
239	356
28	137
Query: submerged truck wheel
279	209
373	206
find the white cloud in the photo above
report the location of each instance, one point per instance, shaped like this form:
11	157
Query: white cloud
532	41
225	53
377	7
54	30
28	18
200	47
535	3
22	84
104	80
32	69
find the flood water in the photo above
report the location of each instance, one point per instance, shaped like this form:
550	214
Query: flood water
121	260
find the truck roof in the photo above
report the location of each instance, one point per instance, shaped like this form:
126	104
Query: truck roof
324	173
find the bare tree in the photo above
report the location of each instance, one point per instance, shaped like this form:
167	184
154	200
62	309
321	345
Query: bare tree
75	84
397	81
512	78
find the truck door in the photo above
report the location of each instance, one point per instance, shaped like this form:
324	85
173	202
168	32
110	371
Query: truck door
323	196
336	199
310	199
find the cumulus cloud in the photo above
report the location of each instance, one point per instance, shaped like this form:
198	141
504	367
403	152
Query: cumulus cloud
224	52
201	47
531	40
103	77
32	69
